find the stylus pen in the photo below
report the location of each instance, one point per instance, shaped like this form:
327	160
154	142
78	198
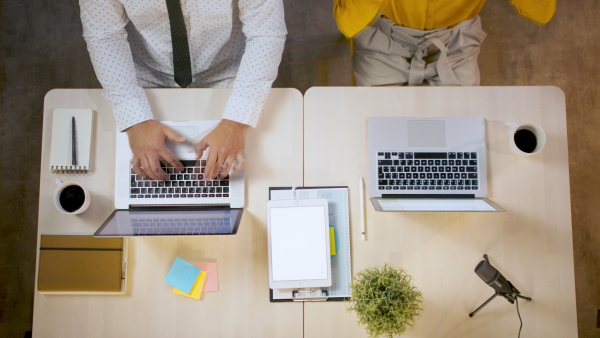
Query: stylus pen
73	142
361	189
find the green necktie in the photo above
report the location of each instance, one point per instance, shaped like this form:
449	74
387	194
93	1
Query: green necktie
181	50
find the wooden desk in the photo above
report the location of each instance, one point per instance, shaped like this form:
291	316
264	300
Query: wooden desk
149	309
530	243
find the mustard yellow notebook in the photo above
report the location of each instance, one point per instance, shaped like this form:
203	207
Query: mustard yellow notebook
81	263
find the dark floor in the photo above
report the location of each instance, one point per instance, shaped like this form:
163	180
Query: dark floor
42	48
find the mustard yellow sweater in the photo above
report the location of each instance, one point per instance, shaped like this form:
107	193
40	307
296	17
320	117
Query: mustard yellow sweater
353	16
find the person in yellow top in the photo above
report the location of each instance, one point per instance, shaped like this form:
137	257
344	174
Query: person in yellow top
421	42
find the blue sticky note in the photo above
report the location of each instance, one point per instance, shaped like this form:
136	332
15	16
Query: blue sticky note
182	275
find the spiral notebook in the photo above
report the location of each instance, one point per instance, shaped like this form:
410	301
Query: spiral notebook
71	141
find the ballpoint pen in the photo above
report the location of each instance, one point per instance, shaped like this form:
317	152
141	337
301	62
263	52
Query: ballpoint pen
362	207
73	142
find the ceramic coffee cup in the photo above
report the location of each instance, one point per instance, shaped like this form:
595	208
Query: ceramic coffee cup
526	139
70	197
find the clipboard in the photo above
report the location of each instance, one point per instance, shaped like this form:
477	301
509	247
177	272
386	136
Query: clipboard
339	219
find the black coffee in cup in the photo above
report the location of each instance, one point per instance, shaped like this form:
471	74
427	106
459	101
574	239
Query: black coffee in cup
72	198
525	140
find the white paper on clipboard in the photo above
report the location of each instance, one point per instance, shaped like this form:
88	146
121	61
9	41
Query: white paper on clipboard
298	234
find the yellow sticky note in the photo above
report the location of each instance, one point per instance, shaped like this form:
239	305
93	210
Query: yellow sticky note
196	289
332	241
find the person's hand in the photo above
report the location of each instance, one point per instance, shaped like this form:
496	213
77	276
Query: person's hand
226	144
147	142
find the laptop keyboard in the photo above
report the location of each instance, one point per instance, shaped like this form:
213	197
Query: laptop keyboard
145	226
188	183
427	171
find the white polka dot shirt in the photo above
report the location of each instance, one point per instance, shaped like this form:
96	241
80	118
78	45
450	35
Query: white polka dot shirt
233	43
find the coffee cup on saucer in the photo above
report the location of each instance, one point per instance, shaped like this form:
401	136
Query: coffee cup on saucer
70	197
525	139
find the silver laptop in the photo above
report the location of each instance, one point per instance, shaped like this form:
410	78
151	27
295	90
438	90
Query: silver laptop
428	164
185	204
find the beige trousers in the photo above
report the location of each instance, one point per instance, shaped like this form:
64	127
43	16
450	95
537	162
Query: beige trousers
388	54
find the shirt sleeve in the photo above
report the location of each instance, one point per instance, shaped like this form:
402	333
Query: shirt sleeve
352	16
536	11
264	28
104	31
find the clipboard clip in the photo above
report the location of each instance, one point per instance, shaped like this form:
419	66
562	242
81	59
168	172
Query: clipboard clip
310	295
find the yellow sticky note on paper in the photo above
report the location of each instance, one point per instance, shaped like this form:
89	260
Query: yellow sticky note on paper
332	241
196	289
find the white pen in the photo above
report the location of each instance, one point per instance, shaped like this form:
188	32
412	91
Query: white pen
361	190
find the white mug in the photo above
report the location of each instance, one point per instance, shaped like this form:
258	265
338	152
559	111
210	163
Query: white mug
70	197
526	139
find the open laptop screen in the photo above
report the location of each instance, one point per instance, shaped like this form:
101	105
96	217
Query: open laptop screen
434	204
181	222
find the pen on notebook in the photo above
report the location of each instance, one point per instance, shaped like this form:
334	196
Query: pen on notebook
361	190
73	142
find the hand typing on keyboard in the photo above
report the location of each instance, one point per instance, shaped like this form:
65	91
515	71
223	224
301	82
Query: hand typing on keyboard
180	184
147	142
226	152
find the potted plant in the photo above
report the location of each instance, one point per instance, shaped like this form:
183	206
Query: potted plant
385	300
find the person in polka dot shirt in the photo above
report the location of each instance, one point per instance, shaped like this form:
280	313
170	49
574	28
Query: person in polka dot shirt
233	44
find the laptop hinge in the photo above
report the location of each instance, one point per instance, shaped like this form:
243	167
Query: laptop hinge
147	207
446	196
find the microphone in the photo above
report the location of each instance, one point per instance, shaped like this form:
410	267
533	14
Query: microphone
492	277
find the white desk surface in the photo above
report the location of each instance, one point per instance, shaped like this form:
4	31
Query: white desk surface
530	243
150	309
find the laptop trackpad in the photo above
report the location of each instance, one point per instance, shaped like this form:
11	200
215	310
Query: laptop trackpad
184	150
426	133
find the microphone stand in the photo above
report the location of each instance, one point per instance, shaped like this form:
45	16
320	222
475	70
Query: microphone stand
509	297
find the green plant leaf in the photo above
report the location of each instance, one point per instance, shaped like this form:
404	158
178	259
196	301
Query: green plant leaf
385	301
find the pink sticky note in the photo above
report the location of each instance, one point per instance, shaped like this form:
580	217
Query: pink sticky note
211	284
